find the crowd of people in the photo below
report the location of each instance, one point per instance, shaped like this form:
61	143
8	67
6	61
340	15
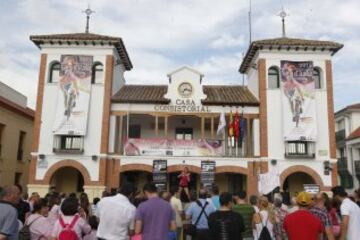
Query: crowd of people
151	215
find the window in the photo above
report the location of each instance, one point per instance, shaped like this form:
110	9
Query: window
134	131
97	72
17	179
184	133
68	144
54	72
20	151
273	78
317	78
2	127
300	149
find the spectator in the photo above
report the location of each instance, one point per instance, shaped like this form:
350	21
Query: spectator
319	210
254	202
350	213
40	226
264	218
22	207
94	206
246	211
33	199
85	204
154	217
70	215
334	217
302	224
280	214
54	207
116	215
166	196
93	222
199	212
293	205
225	224
9	224
215	197
177	206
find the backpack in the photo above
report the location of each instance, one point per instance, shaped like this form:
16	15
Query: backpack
67	233
25	233
264	234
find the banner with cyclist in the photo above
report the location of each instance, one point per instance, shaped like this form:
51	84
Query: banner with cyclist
74	95
299	104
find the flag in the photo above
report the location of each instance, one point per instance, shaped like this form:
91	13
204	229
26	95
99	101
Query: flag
231	125
222	124
237	125
242	129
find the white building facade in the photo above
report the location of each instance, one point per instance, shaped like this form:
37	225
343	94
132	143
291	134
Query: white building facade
131	127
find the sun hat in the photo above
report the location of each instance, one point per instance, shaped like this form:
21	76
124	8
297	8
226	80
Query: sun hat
304	199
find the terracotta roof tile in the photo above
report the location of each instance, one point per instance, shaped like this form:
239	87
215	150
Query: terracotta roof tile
228	95
216	95
287	43
355	106
85	38
354	134
141	94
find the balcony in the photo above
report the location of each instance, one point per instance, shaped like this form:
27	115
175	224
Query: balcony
340	137
68	144
342	164
357	168
299	149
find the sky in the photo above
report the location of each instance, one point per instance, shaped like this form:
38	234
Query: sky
163	35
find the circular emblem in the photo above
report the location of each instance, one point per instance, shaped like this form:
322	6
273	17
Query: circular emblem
185	89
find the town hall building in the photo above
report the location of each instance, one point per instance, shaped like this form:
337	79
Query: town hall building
94	130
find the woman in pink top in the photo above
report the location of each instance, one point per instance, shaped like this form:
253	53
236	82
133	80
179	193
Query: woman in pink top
40	227
70	210
184	181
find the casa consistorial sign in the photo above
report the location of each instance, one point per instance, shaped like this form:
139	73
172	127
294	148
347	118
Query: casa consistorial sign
182	106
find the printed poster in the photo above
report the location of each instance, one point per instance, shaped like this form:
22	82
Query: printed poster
299	113
74	95
207	176
160	174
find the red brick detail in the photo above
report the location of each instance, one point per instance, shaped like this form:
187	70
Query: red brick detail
334	175
179	168
263	108
303	169
112	173
252	180
232	169
67	163
136	167
330	104
37	118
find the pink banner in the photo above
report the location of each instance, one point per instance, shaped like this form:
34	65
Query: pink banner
170	147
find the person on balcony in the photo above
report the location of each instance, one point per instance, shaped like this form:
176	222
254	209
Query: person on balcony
184	181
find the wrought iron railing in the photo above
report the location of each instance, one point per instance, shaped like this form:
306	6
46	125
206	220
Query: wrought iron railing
299	149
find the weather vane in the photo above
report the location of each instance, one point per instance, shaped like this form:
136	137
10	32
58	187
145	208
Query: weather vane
283	15
88	12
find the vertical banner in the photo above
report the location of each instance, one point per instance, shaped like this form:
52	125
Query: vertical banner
160	174
207	174
299	113
74	95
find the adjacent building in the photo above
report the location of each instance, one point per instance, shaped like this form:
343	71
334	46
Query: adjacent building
348	146
95	131
16	126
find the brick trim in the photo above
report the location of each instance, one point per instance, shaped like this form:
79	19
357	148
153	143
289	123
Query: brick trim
334	175
136	167
303	169
263	108
37	118
179	168
330	103
232	169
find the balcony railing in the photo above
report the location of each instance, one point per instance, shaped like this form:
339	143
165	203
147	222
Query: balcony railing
68	144
357	168
342	164
299	149
340	135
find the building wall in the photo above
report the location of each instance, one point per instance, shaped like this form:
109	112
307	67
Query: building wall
9	165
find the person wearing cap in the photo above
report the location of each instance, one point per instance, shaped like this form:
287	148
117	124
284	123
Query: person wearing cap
350	212
302	224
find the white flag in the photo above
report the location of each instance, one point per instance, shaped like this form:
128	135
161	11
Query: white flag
222	124
268	181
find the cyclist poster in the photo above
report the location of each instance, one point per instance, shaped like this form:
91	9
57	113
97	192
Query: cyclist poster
73	95
298	88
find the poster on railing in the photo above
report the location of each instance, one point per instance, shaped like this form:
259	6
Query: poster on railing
169	147
73	95
299	111
160	174
207	176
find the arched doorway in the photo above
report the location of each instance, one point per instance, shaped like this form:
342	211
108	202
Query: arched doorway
136	178
67	180
230	182
294	183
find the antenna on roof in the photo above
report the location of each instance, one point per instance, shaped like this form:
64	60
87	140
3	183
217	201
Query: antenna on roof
283	15
88	12
250	22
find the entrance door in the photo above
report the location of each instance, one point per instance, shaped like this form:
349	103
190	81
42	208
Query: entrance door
294	183
136	178
67	180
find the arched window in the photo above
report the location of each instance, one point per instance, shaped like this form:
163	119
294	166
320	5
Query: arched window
273	78
54	72
317	78
97	72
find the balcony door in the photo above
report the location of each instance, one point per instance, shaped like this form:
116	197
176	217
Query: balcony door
184	133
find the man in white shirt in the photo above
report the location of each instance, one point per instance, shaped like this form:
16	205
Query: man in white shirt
350	212
177	206
116	215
